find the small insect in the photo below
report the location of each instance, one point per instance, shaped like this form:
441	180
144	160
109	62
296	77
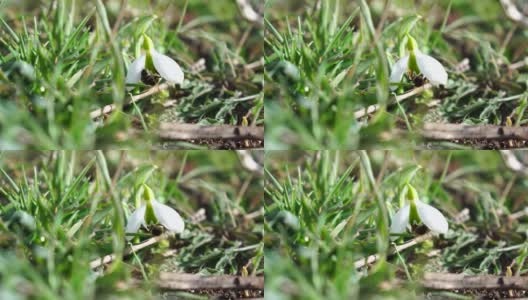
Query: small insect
156	229
418	80
149	78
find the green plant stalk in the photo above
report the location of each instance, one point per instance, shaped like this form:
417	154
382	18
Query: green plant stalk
148	195
382	69
412	196
118	70
383	216
118	221
148	46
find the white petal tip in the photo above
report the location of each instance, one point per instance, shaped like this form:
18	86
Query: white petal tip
398	69
400	220
432	218
134	71
136	219
167	68
168	217
432	69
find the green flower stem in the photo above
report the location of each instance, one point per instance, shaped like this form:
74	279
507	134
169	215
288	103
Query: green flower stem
412	195
148	195
148	45
412	46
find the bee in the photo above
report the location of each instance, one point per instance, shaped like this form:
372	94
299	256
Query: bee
156	229
418	80
149	78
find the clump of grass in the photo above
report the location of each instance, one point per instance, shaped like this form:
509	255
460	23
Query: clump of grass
322	217
61	210
327	60
59	62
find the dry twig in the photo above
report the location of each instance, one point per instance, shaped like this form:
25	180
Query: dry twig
513	163
111	257
122	11
450	281
519	214
184	281
182	132
439	131
513	12
519	64
111	107
249	13
373	108
249	163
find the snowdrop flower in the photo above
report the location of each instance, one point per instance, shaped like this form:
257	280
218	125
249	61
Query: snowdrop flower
156	62
418	62
153	212
415	211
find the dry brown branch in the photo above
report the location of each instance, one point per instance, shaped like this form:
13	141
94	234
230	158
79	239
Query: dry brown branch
184	281
519	214
122	11
373	258
249	163
513	12
111	107
450	281
519	64
182	132
111	257
460	218
249	13
255	65
372	108
439	131
513	163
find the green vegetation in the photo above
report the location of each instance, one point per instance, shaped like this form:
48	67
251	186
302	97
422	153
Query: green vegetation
327	211
327	60
61	60
59	211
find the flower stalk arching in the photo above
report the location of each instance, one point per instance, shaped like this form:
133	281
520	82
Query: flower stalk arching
148	46
150	216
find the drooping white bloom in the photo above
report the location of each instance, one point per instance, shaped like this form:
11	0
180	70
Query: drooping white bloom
154	61
415	211
418	62
152	212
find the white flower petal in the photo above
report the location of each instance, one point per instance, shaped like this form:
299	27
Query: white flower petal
431	68
168	217
136	219
399	68
400	220
167	68
134	70
432	217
